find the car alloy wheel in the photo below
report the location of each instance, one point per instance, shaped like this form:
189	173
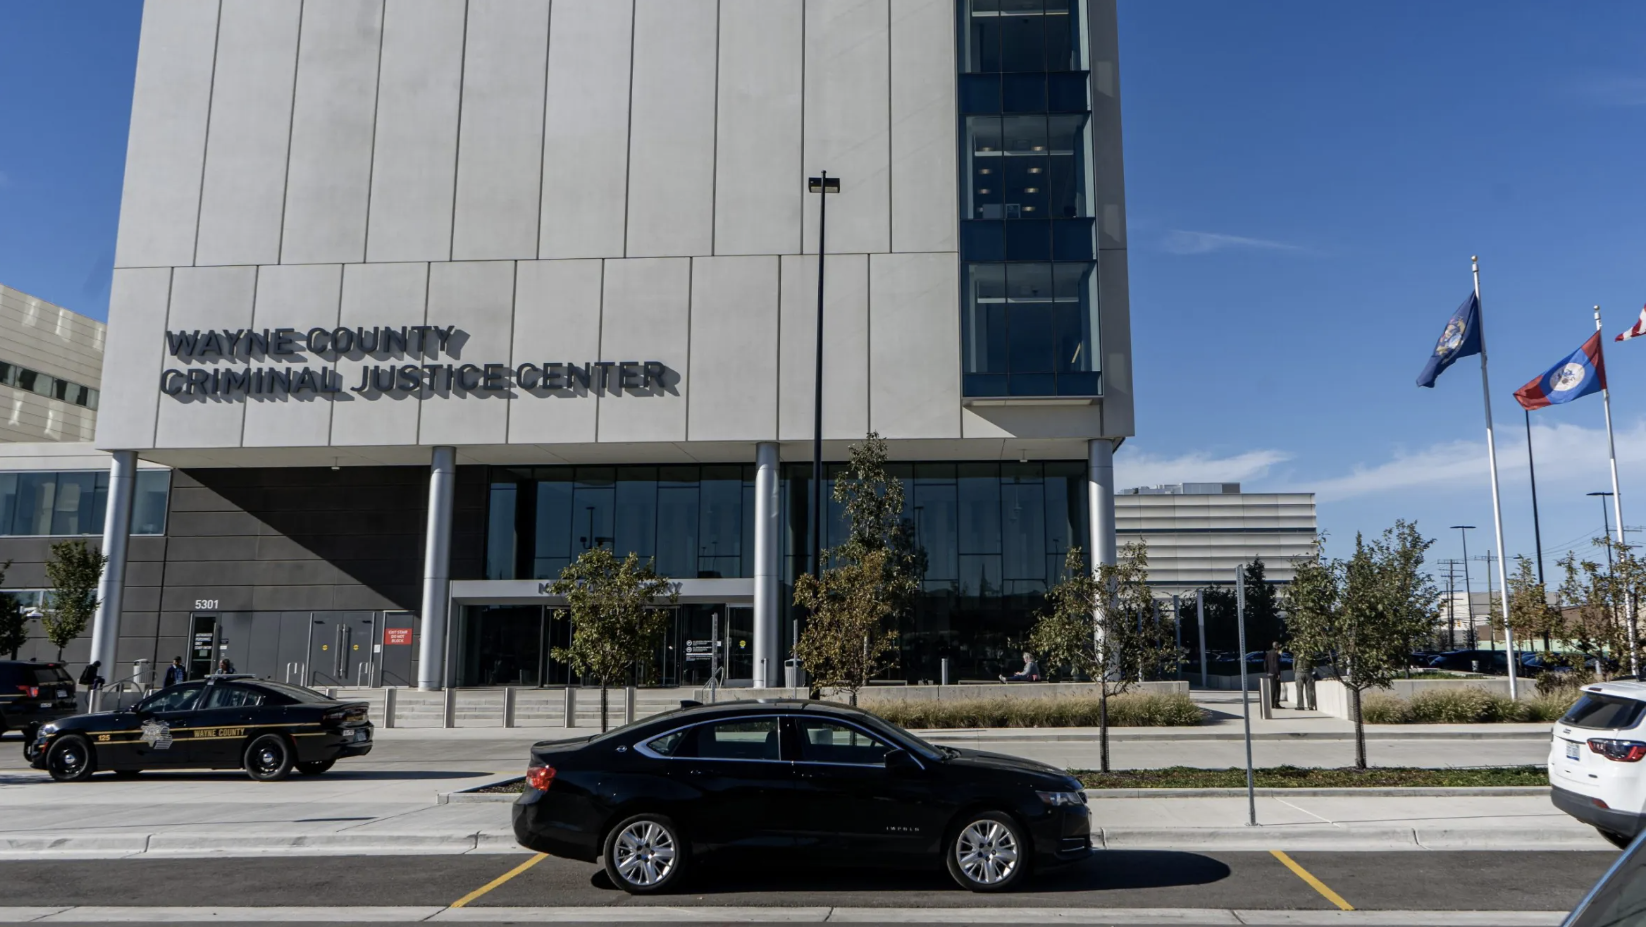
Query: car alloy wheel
987	854
644	854
268	758
69	759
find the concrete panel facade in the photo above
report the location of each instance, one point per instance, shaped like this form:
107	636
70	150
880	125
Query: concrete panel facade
56	345
571	182
500	143
244	190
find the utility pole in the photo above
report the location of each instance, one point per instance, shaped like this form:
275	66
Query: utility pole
1451	603
1489	593
1468	589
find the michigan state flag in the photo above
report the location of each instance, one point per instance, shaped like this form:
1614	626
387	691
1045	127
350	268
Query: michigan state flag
1460	338
1582	373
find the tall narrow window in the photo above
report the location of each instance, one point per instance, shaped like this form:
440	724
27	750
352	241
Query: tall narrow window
1026	226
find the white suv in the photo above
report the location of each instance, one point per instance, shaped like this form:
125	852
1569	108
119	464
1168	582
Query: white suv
1595	769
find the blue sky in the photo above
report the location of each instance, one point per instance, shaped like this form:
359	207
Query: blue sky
1306	183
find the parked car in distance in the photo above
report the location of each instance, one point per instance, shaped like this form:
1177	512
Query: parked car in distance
1595	769
222	722
1491	662
33	693
814	781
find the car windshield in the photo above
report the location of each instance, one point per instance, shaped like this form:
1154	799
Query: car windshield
50	676
1604	712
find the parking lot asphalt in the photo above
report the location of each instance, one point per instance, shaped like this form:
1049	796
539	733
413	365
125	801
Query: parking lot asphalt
1142	879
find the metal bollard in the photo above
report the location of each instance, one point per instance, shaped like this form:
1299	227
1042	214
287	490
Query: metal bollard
1265	709
945	676
451	707
388	706
508	706
628	705
571	707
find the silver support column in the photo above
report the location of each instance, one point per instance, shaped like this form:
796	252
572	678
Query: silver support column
105	629
768	662
1100	500
431	653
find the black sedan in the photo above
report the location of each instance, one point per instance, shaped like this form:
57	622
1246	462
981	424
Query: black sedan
795	777
222	722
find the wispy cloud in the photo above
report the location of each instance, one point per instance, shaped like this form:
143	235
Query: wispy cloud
1613	91
1566	455
1144	469
1182	241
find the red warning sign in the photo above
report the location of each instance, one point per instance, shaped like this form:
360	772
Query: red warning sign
392	636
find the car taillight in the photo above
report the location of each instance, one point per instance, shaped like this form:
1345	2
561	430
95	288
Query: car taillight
540	777
1623	751
30	691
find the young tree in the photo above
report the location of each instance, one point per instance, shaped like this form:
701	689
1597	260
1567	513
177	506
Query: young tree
867	582
13	632
73	571
612	605
1100	625
1599	601
846	641
1530	614
1263	618
1363	614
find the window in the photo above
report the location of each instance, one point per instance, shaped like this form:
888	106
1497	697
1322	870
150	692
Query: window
742	739
1028	329
177	698
832	742
74	503
1604	712
693	521
667	744
54	387
221	696
51	676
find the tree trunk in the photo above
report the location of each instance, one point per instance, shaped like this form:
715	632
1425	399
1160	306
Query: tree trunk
603	702
1360	730
1103	727
854	698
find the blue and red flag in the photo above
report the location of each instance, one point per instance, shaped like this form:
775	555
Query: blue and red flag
1576	376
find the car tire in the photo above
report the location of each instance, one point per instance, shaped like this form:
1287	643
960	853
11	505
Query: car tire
1615	839
315	768
268	758
988	852
70	759
645	854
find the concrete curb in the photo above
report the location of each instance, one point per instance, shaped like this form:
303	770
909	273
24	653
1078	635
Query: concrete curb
1330	837
474	795
1492	791
1051	735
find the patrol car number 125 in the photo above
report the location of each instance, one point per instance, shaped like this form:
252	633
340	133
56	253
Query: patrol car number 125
221	722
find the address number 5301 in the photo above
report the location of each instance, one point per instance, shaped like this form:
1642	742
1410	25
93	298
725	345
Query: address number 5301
205	603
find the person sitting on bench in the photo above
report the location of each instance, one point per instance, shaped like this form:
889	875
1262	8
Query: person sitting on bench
1029	673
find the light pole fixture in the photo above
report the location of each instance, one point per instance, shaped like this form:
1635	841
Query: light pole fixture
822	184
1468	590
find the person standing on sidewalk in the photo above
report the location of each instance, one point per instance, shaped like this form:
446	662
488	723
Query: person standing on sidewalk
175	673
1271	668
1303	675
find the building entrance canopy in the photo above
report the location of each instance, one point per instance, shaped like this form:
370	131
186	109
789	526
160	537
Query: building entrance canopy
734	591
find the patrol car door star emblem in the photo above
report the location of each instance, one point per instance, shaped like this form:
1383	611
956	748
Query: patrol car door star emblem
157	734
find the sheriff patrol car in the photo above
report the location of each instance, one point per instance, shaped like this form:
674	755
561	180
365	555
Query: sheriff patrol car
221	722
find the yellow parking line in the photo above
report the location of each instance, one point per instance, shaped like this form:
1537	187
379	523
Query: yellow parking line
463	901
1300	872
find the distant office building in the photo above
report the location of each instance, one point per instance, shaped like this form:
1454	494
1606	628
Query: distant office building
51	368
1200	533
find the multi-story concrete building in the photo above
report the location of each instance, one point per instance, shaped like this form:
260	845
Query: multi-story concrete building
1198	534
423	298
51	368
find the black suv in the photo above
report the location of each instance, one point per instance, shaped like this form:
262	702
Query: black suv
32	694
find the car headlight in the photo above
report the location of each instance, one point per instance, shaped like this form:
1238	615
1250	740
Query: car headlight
1062	799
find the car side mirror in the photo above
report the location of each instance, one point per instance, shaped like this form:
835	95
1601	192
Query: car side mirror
900	761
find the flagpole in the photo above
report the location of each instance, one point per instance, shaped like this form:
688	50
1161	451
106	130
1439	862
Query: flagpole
1617	501
1537	531
1497	505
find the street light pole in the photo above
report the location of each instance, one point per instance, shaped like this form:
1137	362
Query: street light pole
1468	589
822	185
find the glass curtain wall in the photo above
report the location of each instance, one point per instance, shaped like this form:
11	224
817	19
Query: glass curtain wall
1027	235
696	521
73	503
993	536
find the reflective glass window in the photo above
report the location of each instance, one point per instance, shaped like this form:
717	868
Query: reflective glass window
635	519
8	502
148	510
36	498
824	741
552	524
500	526
593	501
8	374
26	379
752	739
78	506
